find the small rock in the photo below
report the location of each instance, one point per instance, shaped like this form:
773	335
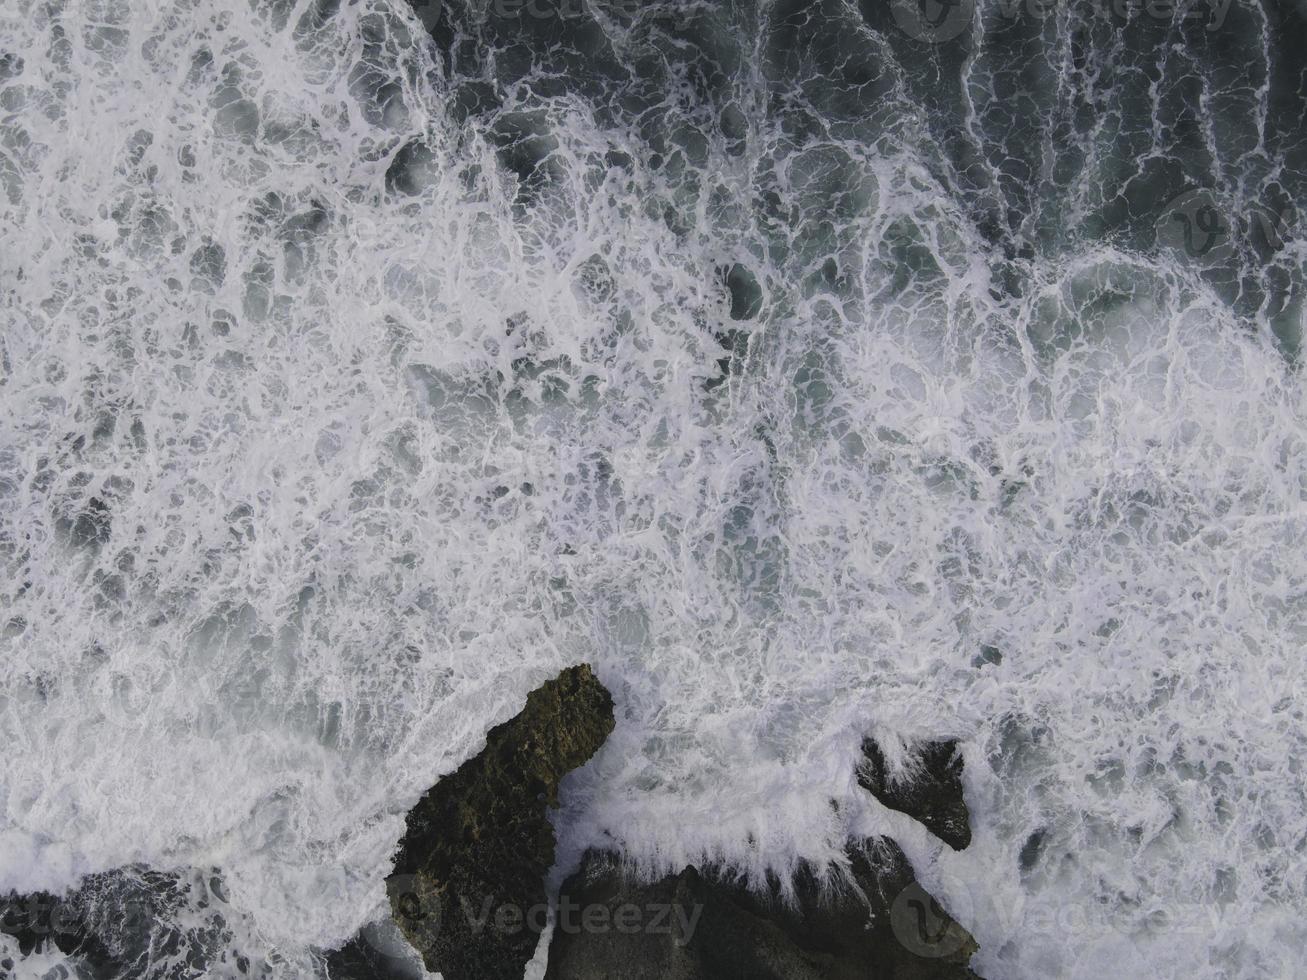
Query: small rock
934	797
468	888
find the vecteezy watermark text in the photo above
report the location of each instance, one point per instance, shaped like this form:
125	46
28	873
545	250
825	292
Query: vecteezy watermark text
629	918
937	21
429	11
486	914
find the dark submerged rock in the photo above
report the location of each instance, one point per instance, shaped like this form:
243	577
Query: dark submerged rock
703	926
1032	849
468	889
44	920
934	797
124	922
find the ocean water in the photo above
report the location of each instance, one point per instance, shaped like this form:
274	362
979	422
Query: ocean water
812	369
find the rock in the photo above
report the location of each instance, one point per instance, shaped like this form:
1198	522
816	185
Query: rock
133	921
934	797
42	919
701	926
468	888
378	952
123	922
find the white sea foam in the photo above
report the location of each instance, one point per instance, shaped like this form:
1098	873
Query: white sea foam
308	478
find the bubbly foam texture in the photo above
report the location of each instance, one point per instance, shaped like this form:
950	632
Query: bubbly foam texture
314	462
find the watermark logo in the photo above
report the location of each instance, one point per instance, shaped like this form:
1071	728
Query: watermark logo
428	12
1199	227
933	21
413	903
922	925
